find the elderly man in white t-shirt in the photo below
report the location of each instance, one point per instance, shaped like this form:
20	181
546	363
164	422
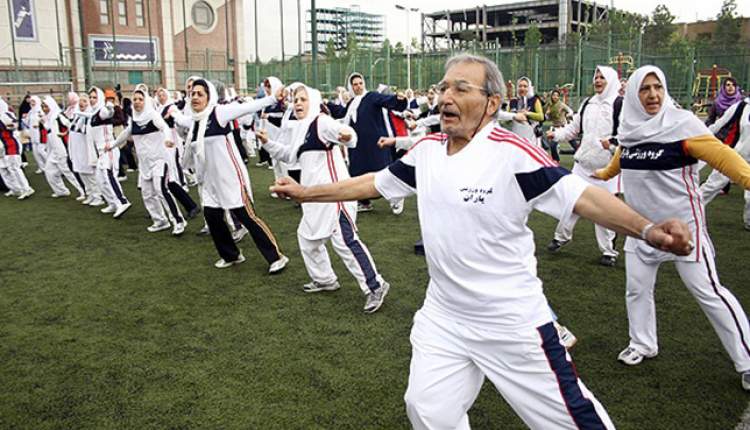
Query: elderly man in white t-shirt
485	314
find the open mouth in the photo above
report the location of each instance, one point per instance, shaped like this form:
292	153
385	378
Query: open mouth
449	115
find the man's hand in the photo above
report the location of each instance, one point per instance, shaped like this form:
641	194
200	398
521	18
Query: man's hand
262	136
672	236
386	141
605	143
288	187
344	136
520	117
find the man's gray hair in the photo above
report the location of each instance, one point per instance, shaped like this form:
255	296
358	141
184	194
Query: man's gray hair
493	77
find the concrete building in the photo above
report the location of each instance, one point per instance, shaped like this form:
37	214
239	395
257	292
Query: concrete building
492	25
704	30
339	23
109	42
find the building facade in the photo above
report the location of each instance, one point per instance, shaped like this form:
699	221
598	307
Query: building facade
338	24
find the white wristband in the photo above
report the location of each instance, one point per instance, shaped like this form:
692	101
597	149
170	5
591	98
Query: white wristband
646	229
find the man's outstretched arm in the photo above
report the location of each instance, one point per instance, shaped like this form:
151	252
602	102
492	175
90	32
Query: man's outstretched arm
356	188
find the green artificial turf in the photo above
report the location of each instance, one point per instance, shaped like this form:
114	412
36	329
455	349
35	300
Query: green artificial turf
106	326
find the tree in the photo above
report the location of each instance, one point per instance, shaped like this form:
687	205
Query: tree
728	26
533	37
330	49
660	27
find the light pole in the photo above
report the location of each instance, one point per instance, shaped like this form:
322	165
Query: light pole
408	43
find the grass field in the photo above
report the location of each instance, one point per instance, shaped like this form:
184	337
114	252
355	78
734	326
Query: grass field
106	326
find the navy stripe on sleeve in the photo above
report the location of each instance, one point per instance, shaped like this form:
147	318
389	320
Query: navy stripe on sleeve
536	183
404	172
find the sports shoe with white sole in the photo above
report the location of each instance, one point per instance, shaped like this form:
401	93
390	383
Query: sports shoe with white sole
87	200
96	202
81	198
631	357
26	194
397	207
108	210
158	226
278	265
221	264
121	210
179	228
566	336
238	234
10	194
315	286
57	196
746	380
374	300
555	245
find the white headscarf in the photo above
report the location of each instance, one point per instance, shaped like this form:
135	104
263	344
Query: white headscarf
299	131
54	111
351	112
72	106
670	124
612	90
148	113
99	99
37	108
275	84
168	102
188	109
200	119
3	106
530	93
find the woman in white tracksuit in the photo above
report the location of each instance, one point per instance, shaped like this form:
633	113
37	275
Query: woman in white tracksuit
57	156
151	137
595	122
660	146
33	123
740	113
100	130
10	156
80	148
226	183
314	142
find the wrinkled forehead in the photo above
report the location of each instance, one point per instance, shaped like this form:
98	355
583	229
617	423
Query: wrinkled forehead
472	73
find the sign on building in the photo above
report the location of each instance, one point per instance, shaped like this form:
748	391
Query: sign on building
134	51
24	20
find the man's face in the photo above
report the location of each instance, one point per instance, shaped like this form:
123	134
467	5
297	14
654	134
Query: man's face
358	86
462	101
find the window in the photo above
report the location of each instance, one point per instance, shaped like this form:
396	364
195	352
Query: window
122	12
203	15
104	12
139	21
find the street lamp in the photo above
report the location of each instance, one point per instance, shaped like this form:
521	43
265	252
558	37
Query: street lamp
408	43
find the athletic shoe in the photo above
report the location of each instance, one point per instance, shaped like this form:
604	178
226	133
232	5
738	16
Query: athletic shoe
122	178
315	286
38	171
158	226
608	260
566	336
26	194
555	245
129	170
221	264
238	234
374	299
10	194
81	198
747	227
746	381
109	209
96	201
278	265
121	210
56	196
364	208
24	164
87	200
631	357
260	163
179	228
194	212
204	231
419	247
398	207
274	196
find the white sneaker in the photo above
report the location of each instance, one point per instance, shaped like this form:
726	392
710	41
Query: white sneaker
375	299
38	171
221	264
278	265
87	200
397	207
95	202
274	196
315	286
122	178
179	228
158	226
81	198
121	210
238	234
56	196
566	336
631	357
108	210
10	194
26	194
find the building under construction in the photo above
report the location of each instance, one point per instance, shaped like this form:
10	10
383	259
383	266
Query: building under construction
338	24
502	24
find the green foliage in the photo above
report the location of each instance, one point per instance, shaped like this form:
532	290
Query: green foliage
624	24
331	51
659	30
533	37
728	27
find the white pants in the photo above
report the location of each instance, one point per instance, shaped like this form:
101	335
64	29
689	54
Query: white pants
353	253
720	306
13	175
279	169
712	187
604	237
92	188
54	171
530	368
106	179
153	199
40	154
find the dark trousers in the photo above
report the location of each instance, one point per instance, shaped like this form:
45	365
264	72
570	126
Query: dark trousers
127	159
264	156
222	237
181	196
295	174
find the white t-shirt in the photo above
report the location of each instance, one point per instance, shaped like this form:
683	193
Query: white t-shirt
473	209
